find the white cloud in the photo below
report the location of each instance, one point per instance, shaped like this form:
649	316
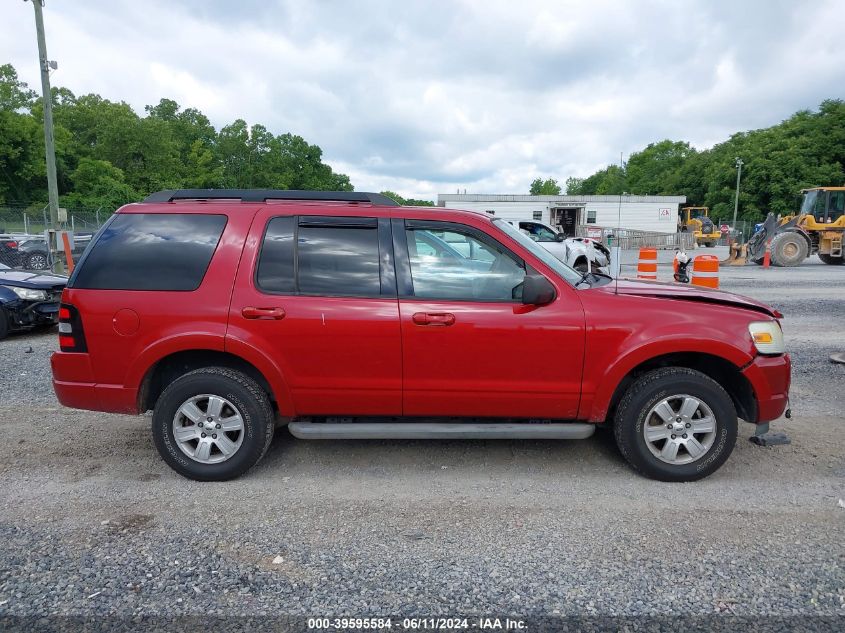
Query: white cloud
428	97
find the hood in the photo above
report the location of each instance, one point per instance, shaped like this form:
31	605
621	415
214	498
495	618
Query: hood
684	292
39	281
588	241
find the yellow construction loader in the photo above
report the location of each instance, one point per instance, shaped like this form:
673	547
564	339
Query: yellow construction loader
701	225
817	229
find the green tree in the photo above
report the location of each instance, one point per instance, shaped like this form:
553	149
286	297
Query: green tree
807	149
107	154
98	183
656	170
574	186
407	202
607	181
22	168
548	187
15	94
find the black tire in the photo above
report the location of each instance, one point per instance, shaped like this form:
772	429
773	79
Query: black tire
4	324
830	260
37	261
240	390
646	392
789	248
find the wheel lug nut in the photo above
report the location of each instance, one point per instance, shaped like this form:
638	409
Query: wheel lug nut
684	436
217	425
209	419
688	425
199	424
673	436
203	435
669	426
214	436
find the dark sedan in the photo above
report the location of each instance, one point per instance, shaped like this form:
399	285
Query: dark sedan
28	300
33	251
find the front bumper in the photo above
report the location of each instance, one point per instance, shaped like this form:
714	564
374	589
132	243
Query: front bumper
770	377
24	314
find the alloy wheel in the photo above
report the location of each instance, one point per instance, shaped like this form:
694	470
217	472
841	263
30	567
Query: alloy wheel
680	429
208	428
38	262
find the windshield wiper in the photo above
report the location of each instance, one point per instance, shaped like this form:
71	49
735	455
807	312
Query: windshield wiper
584	277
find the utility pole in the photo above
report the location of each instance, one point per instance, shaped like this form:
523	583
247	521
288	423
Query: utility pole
46	65
736	199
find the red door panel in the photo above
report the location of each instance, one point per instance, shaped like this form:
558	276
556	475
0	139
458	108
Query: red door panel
337	355
492	359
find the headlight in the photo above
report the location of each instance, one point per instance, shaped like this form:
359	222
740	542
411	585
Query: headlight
28	293
767	337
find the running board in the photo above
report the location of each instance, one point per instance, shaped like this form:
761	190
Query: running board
439	430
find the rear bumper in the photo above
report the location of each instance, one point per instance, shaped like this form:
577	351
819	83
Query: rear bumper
74	386
770	378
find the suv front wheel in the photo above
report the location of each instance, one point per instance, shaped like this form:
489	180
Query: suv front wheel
213	424
676	424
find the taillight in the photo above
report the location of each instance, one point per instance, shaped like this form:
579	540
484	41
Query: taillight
71	334
12	244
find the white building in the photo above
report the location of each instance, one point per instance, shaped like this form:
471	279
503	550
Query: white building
641	213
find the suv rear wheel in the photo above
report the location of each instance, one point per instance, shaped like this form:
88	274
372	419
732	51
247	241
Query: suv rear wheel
213	424
676	424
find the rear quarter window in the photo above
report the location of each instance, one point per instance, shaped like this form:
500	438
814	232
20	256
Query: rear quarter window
151	251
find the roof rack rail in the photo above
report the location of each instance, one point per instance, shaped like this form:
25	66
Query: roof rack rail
262	195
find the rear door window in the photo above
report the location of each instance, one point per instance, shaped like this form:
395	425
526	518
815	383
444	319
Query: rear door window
321	255
151	251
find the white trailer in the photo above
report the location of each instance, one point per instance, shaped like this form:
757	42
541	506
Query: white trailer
657	214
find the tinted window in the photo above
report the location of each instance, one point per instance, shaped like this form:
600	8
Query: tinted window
336	260
459	266
151	251
275	267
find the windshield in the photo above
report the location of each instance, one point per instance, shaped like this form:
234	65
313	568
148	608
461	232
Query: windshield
538	232
569	274
810	197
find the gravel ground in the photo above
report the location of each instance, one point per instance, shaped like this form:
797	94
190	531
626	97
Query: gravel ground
94	524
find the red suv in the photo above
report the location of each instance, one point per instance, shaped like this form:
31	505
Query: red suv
342	315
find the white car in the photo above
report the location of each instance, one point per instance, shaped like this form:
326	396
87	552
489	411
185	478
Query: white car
581	253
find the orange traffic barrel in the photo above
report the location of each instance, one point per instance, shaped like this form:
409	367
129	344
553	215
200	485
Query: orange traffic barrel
647	264
705	271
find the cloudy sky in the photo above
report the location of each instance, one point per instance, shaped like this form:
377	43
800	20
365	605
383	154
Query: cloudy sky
430	97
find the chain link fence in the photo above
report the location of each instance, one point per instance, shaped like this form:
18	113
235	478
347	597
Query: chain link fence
633	239
28	221
22	241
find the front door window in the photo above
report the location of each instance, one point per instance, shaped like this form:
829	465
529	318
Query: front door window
453	265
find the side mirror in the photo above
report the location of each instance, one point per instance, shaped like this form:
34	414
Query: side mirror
560	237
537	290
